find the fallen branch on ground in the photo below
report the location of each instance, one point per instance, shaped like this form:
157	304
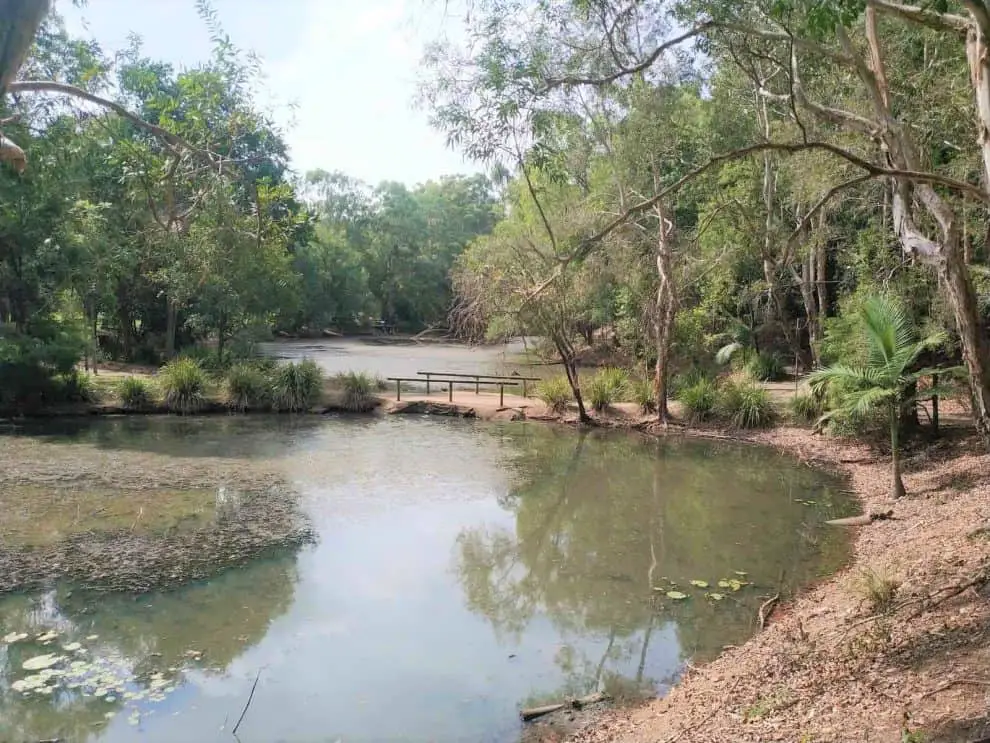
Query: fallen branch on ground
864	520
948	684
533	712
766	609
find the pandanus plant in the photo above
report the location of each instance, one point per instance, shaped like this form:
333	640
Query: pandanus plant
888	378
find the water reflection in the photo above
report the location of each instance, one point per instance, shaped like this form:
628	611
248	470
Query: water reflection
463	570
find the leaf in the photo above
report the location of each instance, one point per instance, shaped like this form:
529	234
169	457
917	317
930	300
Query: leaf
715	596
723	583
15	637
676	595
41	661
740	572
700	583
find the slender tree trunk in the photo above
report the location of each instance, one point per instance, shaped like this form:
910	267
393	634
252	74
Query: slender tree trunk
221	336
171	313
666	310
96	341
897	484
566	352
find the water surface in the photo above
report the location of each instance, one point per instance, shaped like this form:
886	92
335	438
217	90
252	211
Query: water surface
463	571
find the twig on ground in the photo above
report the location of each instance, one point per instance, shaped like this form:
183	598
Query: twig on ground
954	682
250	697
766	609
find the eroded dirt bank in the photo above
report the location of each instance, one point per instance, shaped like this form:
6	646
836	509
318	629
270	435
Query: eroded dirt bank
128	520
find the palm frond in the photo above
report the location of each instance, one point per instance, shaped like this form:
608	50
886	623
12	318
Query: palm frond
888	328
726	352
861	402
853	376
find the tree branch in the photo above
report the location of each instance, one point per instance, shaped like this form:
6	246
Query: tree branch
922	16
46	86
649	61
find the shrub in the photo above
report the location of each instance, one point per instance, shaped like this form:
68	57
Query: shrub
297	386
606	387
75	387
135	393
807	406
744	405
247	387
699	399
183	382
555	393
878	588
765	367
689	378
642	394
207	359
358	391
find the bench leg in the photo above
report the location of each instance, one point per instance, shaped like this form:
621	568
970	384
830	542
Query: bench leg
450	392
501	395
427	384
398	390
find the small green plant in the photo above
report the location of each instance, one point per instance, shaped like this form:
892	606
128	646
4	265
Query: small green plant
555	393
606	387
878	588
297	386
75	387
764	367
358	394
641	392
699	399
807	406
184	383
135	393
689	378
246	387
744	405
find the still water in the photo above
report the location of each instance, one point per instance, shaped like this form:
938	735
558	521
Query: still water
463	571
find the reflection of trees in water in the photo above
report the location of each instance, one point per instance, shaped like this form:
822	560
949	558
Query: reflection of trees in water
601	519
220	618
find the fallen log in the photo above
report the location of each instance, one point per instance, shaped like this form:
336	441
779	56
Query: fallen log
866	518
532	713
766	609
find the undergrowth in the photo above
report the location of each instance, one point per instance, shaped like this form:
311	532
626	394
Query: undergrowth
555	393
183	383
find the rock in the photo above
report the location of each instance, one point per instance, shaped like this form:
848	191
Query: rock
508	414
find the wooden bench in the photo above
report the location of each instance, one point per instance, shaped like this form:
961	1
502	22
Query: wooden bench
479	379
450	386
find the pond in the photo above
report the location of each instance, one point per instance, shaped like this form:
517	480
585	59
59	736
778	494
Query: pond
462	571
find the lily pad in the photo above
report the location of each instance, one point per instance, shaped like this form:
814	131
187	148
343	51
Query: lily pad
700	583
740	572
93	637
15	637
71	646
47	636
715	596
41	661
676	595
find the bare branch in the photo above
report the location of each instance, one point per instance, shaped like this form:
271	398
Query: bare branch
645	64
922	16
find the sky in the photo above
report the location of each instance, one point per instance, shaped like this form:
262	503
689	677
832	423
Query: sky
340	74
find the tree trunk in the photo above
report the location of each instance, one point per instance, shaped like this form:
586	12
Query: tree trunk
566	352
666	309
897	484
221	337
96	341
170	327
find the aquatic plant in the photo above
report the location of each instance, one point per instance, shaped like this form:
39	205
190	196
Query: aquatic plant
358	391
247	387
555	393
183	383
297	386
135	393
606	387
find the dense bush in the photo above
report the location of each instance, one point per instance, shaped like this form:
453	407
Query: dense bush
75	386
358	391
699	399
555	393
32	362
765	367
607	387
297	386
744	404
689	378
641	391
807	406
135	393
247	387
183	383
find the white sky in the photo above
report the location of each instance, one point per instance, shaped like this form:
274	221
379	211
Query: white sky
347	66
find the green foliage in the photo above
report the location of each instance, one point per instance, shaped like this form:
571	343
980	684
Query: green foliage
744	404
184	385
607	387
699	399
31	363
642	393
75	386
247	387
807	406
765	367
135	393
297	386
358	391
689	378
878	588
555	393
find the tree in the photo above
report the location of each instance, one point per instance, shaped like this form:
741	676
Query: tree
886	380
